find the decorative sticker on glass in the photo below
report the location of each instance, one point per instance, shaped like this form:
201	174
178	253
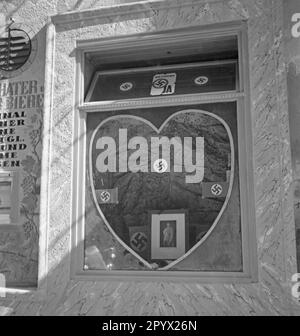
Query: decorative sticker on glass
163	84
201	80
126	86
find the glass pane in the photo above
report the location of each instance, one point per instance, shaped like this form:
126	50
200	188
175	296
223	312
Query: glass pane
163	189
168	81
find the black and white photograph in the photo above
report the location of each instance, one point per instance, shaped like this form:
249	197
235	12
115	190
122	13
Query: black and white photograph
149	160
167	233
169	237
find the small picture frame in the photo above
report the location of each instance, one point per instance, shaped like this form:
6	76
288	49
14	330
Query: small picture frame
169	234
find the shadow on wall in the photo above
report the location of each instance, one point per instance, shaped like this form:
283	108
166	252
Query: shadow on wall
19	245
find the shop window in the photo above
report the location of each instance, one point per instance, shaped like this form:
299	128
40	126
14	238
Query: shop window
163	158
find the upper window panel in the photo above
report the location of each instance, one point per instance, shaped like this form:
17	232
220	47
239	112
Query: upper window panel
161	68
162	81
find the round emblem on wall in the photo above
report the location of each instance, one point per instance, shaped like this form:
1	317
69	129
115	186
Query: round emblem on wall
18	47
126	86
201	80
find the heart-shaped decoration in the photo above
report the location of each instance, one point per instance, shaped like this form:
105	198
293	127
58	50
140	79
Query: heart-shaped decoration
161	191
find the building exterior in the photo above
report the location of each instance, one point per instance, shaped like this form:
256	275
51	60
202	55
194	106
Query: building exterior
147	157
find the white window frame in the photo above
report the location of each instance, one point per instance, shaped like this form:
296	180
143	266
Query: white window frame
13	217
246	178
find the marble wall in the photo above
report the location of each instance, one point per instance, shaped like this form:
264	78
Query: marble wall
275	226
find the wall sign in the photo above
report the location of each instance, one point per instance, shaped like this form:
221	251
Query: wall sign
16	101
18	47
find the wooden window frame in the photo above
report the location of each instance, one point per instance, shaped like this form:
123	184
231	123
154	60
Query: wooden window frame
246	176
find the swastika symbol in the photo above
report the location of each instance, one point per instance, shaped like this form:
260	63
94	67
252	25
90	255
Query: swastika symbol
216	189
126	86
105	196
160	165
160	83
139	241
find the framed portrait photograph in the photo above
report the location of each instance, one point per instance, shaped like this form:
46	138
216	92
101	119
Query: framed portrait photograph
169	238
